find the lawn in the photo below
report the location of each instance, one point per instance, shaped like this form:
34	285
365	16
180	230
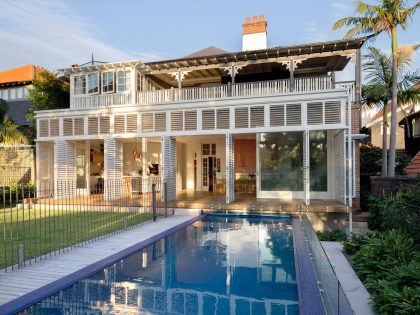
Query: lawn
47	229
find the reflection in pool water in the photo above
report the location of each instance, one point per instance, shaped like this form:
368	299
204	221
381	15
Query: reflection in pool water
218	265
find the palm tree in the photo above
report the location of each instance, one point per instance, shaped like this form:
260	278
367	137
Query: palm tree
377	90
373	20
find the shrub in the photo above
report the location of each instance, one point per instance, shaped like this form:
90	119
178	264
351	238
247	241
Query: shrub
384	252
356	240
401	211
399	293
332	236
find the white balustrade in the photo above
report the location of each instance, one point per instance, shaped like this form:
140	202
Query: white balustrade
249	89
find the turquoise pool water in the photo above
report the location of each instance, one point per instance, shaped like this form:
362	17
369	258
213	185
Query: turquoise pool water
218	265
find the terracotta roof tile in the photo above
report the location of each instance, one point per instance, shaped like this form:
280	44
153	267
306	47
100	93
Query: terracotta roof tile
413	168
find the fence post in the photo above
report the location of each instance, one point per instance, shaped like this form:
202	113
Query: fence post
165	196
21	256
154	201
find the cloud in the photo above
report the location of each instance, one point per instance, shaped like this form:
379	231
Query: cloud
48	33
312	33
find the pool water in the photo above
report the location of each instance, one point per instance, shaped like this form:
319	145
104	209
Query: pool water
218	265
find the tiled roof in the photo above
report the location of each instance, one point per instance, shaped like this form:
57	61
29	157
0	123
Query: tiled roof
19	74
413	168
209	51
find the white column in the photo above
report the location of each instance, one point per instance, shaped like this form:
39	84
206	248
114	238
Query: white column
230	169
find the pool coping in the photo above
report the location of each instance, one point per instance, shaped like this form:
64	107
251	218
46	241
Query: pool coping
25	301
309	295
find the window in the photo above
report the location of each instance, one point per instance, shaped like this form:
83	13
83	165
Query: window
79	85
416	127
108	82
123	80
93	83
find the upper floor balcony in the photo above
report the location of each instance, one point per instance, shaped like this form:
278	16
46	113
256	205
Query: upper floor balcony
215	92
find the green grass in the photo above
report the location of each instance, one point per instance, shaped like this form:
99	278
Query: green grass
44	230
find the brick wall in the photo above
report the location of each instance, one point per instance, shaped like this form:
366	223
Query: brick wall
16	165
376	134
355	121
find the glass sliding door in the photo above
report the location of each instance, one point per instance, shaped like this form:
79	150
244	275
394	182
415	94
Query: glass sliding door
280	162
318	164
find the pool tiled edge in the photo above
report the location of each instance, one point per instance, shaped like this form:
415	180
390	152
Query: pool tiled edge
310	299
39	294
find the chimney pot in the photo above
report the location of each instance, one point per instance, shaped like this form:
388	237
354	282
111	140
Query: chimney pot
261	18
254	34
248	20
254	19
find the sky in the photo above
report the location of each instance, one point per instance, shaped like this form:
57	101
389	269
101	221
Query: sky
56	33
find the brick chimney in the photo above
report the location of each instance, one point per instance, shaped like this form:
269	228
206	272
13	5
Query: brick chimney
254	34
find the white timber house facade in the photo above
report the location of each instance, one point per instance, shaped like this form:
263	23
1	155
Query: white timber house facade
266	123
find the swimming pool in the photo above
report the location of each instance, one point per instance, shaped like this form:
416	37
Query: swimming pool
218	265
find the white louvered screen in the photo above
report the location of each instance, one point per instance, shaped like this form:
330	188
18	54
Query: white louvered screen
54	127
177	121
79	126
333	112
45	169
208	119
293	114
223	115
119	124
67	126
230	169
104	125
277	115
241	117
169	166
315	114
43	128
65	161
113	168
131	120
306	168
339	158
160	121
257	116
190	120
93	126
147	122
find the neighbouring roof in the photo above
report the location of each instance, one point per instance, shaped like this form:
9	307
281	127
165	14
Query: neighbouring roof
20	74
413	168
208	51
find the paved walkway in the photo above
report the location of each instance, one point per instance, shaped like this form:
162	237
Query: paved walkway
52	272
354	289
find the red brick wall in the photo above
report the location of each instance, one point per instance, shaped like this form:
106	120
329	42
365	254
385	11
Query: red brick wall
355	121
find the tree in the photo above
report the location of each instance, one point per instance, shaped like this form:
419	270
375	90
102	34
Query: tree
48	92
373	20
3	109
10	134
378	92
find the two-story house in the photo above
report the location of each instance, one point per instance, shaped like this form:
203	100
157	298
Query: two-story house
258	124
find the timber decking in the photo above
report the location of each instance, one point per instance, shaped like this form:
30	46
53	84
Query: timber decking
32	279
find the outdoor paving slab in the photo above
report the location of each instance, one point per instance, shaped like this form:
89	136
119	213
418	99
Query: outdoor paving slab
20	282
353	288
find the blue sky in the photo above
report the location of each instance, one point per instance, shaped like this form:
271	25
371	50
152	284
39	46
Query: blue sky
57	33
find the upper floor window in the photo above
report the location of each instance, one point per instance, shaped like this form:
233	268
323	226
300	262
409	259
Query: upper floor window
93	83
123	82
108	82
79	85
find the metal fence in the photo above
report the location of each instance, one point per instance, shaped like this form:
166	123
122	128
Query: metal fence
40	222
335	300
18	175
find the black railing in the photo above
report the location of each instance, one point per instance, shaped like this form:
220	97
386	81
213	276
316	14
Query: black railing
37	223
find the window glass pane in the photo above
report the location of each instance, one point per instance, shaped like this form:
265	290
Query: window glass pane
206	149
318	173
123	80
79	85
281	161
213	149
108	81
93	83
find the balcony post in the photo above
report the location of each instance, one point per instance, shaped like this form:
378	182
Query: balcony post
292	76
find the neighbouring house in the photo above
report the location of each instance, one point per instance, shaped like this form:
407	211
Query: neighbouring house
375	127
14	86
265	126
412	138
